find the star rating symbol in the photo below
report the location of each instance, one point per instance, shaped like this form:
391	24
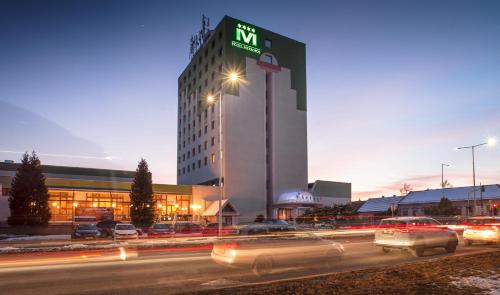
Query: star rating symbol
239	25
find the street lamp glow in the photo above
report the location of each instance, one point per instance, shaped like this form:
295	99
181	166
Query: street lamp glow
233	77
491	141
210	98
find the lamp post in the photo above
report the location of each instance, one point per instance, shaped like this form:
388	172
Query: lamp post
442	178
489	142
233	77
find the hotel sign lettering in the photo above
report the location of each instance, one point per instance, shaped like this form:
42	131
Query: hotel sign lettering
246	38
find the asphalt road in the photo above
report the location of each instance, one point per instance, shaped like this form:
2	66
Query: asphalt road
171	271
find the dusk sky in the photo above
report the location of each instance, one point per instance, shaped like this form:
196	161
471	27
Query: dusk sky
393	86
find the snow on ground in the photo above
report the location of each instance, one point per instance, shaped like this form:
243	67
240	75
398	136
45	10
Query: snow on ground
40	238
8	249
76	246
490	283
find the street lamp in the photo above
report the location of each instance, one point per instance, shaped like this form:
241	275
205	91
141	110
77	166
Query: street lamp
232	77
442	178
490	142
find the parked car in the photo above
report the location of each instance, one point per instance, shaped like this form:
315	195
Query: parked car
106	227
253	228
85	231
278	225
125	231
415	234
482	229
187	228
264	255
212	229
161	230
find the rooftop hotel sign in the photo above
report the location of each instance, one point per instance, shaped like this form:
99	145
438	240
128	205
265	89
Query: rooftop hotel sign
245	38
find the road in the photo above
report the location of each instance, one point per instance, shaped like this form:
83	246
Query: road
170	271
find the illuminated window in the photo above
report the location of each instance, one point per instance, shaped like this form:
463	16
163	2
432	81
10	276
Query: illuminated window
213	157
268	43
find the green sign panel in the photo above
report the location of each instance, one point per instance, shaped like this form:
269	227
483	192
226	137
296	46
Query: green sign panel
246	38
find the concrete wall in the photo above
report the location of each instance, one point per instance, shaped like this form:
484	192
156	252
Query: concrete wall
244	144
289	137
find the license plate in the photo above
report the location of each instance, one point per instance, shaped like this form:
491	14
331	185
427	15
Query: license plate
388	232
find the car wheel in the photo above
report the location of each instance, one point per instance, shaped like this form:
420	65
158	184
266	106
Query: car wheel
332	259
386	250
451	247
467	242
419	248
263	265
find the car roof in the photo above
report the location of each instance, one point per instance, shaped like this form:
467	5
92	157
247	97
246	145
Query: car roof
484	217
407	218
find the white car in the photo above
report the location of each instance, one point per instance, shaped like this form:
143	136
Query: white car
482	229
125	231
414	234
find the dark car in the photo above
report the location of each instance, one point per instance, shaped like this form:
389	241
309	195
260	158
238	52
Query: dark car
106	227
161	230
187	229
85	231
212	229
278	225
253	228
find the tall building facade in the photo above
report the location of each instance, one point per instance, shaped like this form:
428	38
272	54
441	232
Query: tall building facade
263	116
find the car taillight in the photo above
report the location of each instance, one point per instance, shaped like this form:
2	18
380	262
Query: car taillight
232	245
404	230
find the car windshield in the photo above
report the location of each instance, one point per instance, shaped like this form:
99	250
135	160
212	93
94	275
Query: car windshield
125	227
87	227
162	226
482	221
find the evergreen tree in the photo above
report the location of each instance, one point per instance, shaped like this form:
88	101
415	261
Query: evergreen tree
29	200
141	197
444	208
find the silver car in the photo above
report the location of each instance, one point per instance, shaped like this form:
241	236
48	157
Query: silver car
263	255
482	229
414	234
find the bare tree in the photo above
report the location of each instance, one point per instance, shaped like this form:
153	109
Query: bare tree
405	189
446	184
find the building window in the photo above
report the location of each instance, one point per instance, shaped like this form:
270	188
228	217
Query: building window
189	155
213	125
189	168
206	129
199	133
213	60
206	145
212	157
194	137
179	172
268	58
179	146
199	163
213	76
212	141
206	161
178	159
220	51
183	143
193	152
193	166
183	170
199	148
268	43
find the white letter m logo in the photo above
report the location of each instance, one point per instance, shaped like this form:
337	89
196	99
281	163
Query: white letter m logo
246	34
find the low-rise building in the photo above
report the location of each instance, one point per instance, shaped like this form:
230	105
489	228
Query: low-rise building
77	193
379	206
418	203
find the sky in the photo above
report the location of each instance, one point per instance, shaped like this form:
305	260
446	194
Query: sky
393	86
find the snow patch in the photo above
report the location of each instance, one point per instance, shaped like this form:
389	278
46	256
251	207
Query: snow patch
490	283
8	249
40	238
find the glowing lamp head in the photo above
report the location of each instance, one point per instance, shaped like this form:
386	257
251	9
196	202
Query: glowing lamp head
233	77
210	98
491	141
